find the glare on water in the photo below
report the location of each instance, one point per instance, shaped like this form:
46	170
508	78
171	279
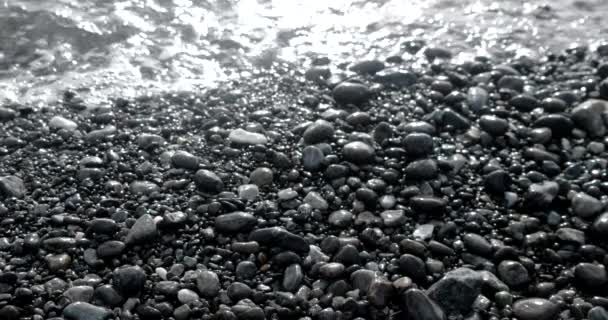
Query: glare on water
127	48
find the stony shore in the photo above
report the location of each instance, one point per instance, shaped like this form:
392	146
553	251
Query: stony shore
369	190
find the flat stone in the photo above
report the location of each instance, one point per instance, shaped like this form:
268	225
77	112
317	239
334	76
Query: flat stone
235	222
351	93
281	237
419	306
12	186
85	311
208	181
243	137
535	309
457	290
143	231
58	122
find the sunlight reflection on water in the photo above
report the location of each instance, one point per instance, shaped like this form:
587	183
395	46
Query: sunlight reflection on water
129	48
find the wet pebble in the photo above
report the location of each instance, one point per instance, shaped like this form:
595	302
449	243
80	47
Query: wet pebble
243	137
358	152
535	309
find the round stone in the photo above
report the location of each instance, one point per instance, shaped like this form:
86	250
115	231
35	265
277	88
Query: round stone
513	273
358	152
262	176
208	181
535	309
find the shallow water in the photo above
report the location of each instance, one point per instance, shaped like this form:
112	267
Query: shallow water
105	49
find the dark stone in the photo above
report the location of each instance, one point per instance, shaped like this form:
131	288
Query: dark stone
12	186
129	280
208	181
235	222
457	290
281	237
419	306
351	93
535	309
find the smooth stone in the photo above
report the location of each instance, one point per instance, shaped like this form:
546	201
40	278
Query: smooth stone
316	201
248	310
98	135
419	306
494	125
591	276
524	102
107	295
368	67
143	231
351	93
79	293
418	144
149	141
585	206
497	182
511	82
104	226
362	279
477	98
600	226
535	309
597	313
424	232
571	235
167	288
7	114
430	204
423	169
185	160
393	218
380	292
560	125
456	290
182	312
340	218
248	192
129	280
59	122
111	248
240	136
477	244
143	187
312	158
395	77
12	186
455	119
292	277
332	270
187	296
542	194
58	262
419	126
9	312
237	291
246	270
174	219
358	152
208	283
262	176
59	244
513	273
55	286
207	181
85	311
281	237
588	116
235	222
412	267
319	131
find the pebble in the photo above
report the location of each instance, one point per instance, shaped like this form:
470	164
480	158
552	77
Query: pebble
248	310
591	276
421	169
600	226
106	294
419	306
248	192
456	290
208	283
79	293
535	309
292	277
477	244
393	218
319	131
497	182
242	137
510	82
429	204
110	249
85	311
187	296
262	176
185	160
588	116
237	291
143	187
340	218
235	222
281	237
174	219
351	93
129	280
59	122
358	152
477	98
395	77
59	244
513	273
380	292
246	270
312	158
597	313
332	270
585	206
208	181
494	125
56	262
143	231
12	186
418	144
316	201
148	141
542	194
